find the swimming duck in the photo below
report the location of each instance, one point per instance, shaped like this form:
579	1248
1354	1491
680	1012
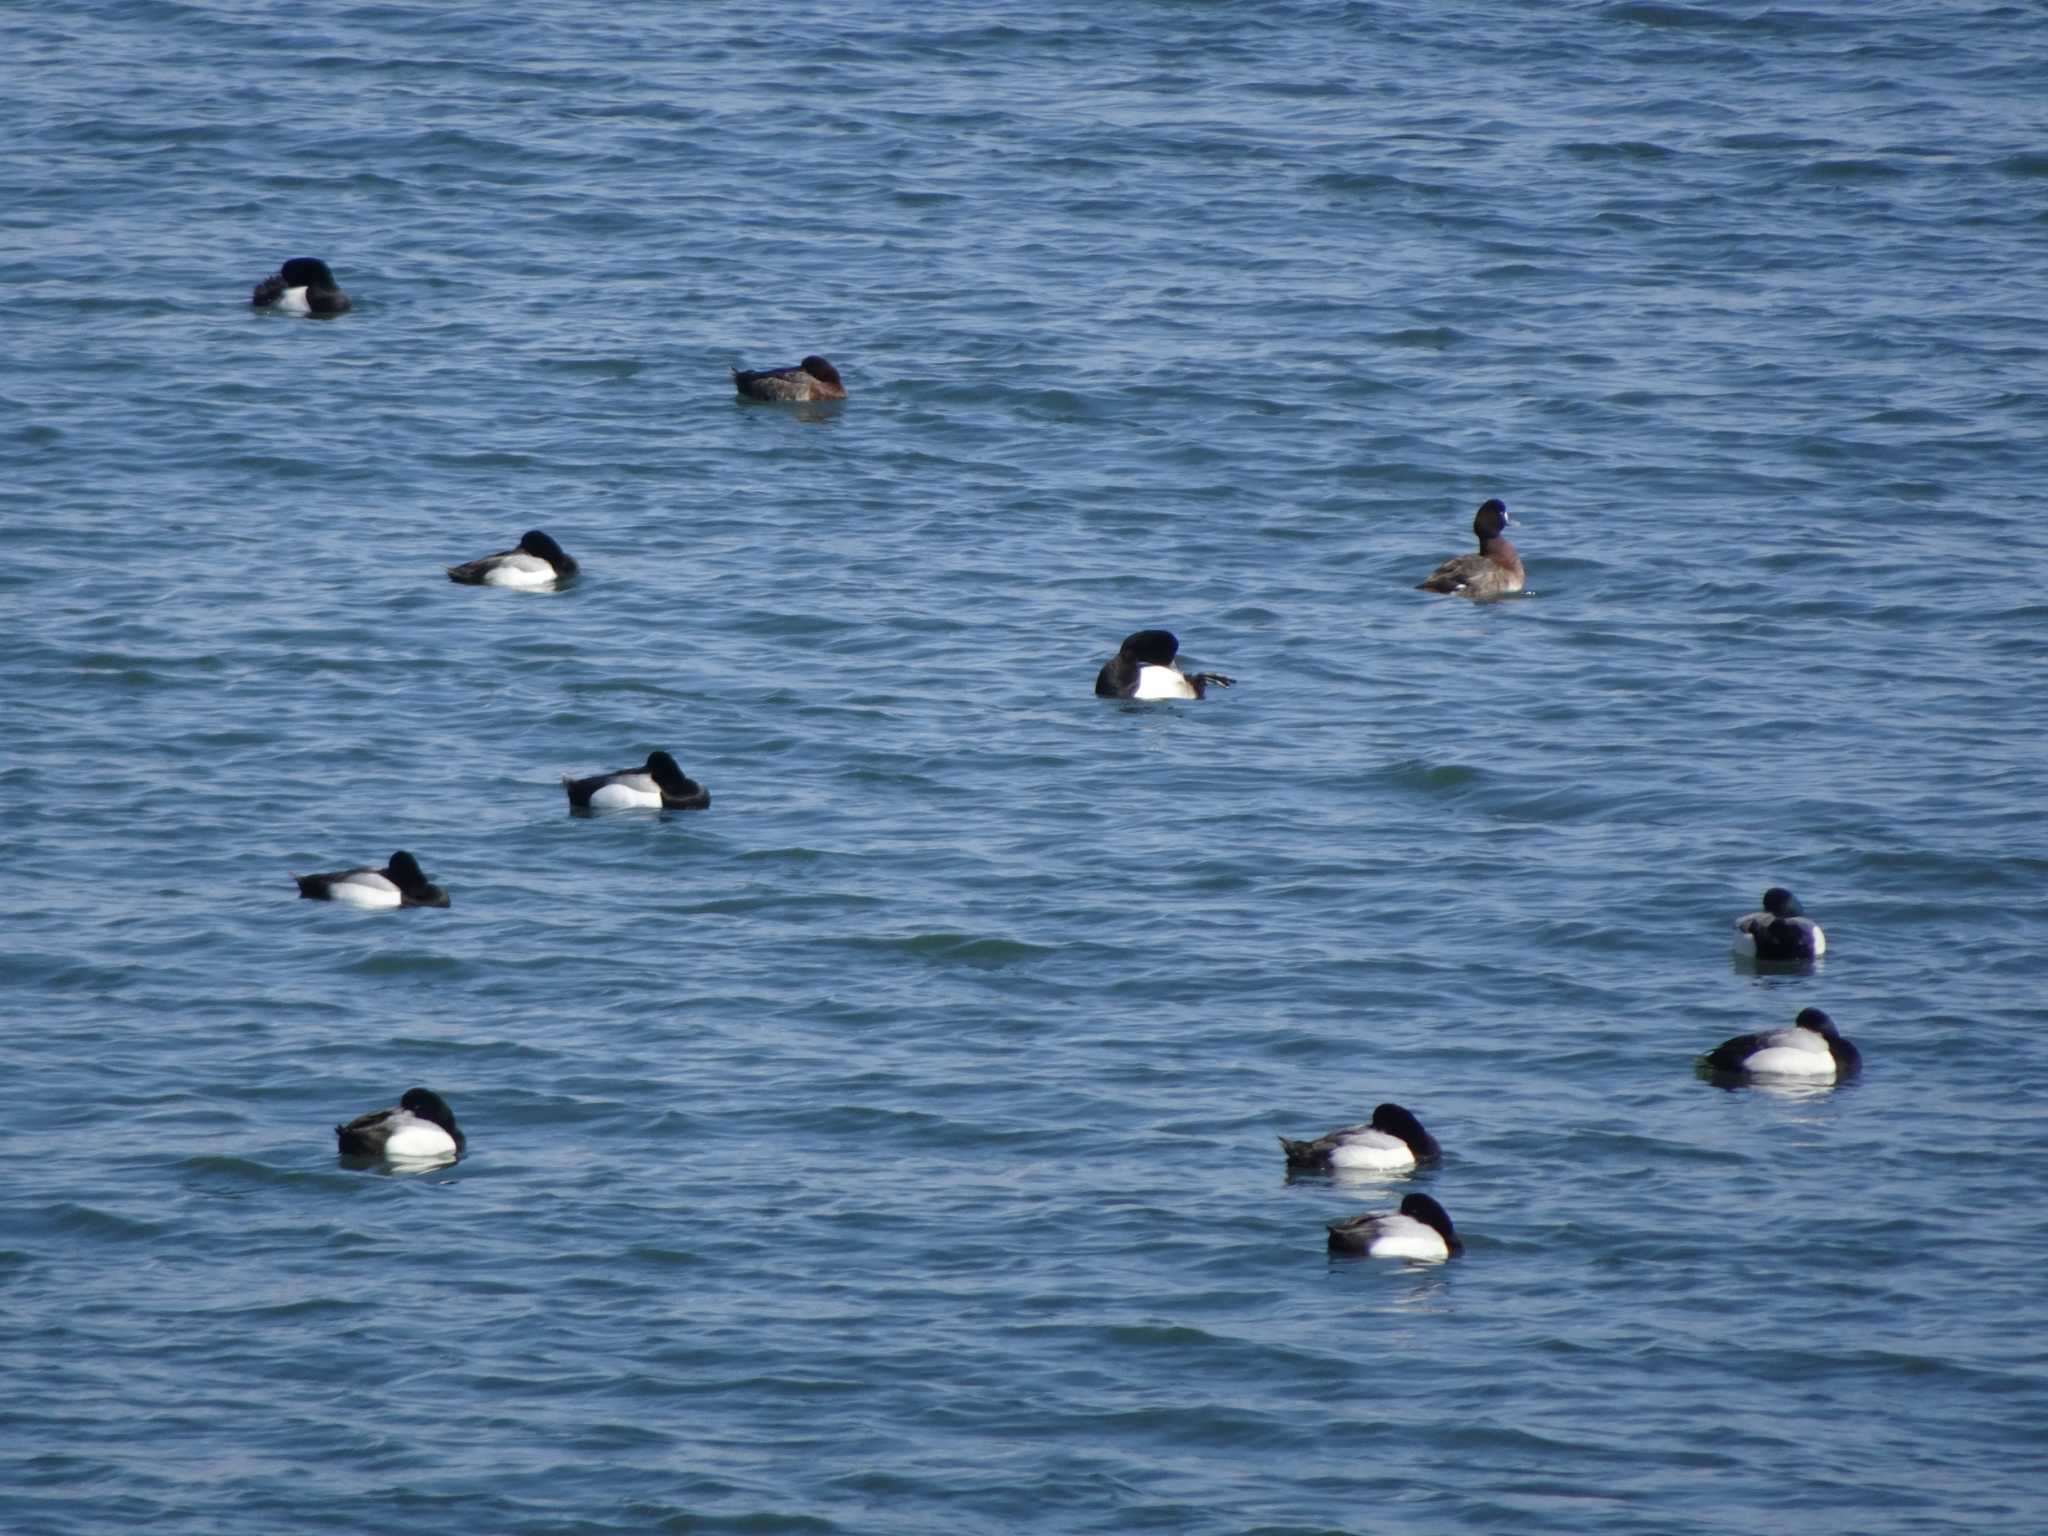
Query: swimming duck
1812	1049
1394	1140
537	562
302	286
811	379
659	783
422	1128
397	884
1143	669
1781	931
1494	571
1421	1229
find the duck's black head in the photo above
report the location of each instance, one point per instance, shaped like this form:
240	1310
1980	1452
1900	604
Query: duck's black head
1425	1210
1780	902
1150	648
404	872
1393	1120
664	771
1818	1022
1490	519
429	1105
534	542
818	368
306	272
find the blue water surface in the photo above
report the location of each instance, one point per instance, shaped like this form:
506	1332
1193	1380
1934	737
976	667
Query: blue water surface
891	1148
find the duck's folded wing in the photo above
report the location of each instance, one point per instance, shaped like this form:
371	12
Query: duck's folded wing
1731	1054
769	384
472	572
1452	576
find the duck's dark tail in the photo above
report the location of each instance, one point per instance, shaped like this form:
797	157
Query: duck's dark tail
1300	1154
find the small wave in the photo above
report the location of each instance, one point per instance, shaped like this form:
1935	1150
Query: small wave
1433	337
409	963
92	1221
970	950
1620	149
1855	170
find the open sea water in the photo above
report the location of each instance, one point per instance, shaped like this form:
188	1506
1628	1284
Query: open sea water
891	1148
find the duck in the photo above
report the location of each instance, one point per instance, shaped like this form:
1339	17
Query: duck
422	1128
1780	932
1394	1140
1812	1049
397	884
1143	669
537	562
302	286
1495	571
1421	1229
657	782
811	379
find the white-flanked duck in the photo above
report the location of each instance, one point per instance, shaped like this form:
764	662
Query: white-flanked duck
657	783
398	884
421	1129
1143	669
1812	1050
1393	1141
537	562
1421	1229
811	379
1780	932
302	286
1495	571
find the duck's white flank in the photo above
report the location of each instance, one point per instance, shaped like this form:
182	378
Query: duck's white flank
1403	1237
1374	1150
1793	1053
624	797
366	890
1163	683
520	570
416	1138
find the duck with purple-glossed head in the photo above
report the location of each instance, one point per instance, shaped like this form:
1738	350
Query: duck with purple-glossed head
1494	572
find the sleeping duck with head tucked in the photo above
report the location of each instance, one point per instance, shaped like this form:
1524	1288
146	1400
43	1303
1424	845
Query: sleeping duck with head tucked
1143	668
302	286
659	784
811	379
536	561
1393	1142
421	1129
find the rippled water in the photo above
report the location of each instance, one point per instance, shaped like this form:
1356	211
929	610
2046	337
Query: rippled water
891	1147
